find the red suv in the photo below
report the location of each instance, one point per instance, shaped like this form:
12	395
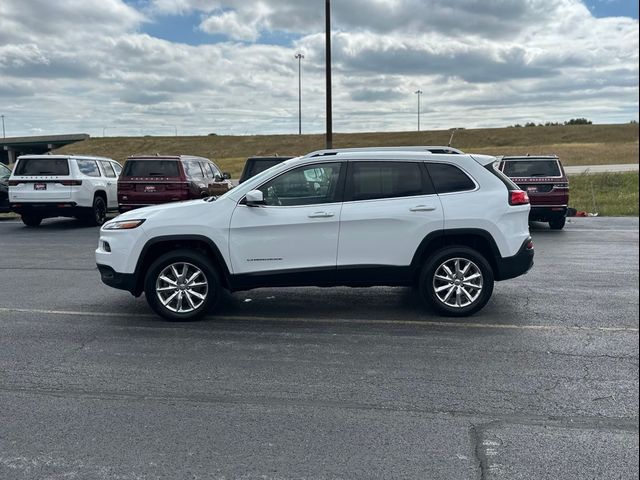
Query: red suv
150	180
544	179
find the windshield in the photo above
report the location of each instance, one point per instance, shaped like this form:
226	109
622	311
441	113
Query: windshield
532	168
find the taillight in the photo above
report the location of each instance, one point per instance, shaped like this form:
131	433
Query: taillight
70	183
125	186
518	197
14	183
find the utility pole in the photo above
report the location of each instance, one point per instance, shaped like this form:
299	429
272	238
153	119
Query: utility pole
328	70
3	132
299	56
419	93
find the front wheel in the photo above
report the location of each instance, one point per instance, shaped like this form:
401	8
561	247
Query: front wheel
456	281
182	285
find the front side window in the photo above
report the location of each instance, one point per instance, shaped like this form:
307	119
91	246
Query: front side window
449	178
373	180
88	168
308	185
117	168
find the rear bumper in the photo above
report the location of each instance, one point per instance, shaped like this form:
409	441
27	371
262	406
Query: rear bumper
547	212
517	265
121	281
46	209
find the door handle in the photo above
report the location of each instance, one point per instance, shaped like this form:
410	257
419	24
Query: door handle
321	215
422	208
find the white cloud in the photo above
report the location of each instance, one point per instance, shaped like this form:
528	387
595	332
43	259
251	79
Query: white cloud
480	63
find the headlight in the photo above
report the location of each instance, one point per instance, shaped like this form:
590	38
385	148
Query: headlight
123	225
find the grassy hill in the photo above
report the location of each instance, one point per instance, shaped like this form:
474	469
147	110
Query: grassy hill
575	144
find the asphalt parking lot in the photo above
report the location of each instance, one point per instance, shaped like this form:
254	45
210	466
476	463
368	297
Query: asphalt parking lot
321	383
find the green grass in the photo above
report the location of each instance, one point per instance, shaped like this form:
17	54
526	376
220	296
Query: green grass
608	194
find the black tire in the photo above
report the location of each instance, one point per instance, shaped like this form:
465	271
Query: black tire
557	223
478	264
31	220
97	215
172	312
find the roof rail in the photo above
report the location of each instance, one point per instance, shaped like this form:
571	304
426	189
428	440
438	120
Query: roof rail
435	149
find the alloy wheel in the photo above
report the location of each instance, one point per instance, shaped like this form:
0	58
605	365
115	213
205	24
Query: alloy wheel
182	287
458	282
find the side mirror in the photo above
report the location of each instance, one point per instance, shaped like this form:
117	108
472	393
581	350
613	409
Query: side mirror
254	198
226	175
217	178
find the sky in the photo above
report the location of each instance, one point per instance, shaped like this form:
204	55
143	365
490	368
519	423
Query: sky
196	67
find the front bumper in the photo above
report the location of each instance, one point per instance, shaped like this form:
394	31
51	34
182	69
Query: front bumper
121	281
517	265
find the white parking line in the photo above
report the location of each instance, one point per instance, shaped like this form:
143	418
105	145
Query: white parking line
341	321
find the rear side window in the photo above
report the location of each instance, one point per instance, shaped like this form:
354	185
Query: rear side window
449	178
88	168
193	169
151	168
42	166
372	180
108	169
532	168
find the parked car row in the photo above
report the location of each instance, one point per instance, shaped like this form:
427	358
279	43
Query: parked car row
87	187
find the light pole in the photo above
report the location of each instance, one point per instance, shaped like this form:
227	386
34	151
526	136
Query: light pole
299	56
328	69
3	133
419	93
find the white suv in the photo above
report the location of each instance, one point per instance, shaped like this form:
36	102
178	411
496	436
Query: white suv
44	186
451	224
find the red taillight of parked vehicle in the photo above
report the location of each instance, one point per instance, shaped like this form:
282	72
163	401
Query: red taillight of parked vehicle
71	183
14	183
518	197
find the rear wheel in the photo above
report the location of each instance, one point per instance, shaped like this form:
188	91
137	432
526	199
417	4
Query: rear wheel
182	285
31	220
98	212
456	281
557	223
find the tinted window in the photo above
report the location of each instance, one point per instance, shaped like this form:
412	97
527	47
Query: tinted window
108	169
4	171
192	169
449	178
88	168
151	168
256	165
309	185
531	168
370	180
42	166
